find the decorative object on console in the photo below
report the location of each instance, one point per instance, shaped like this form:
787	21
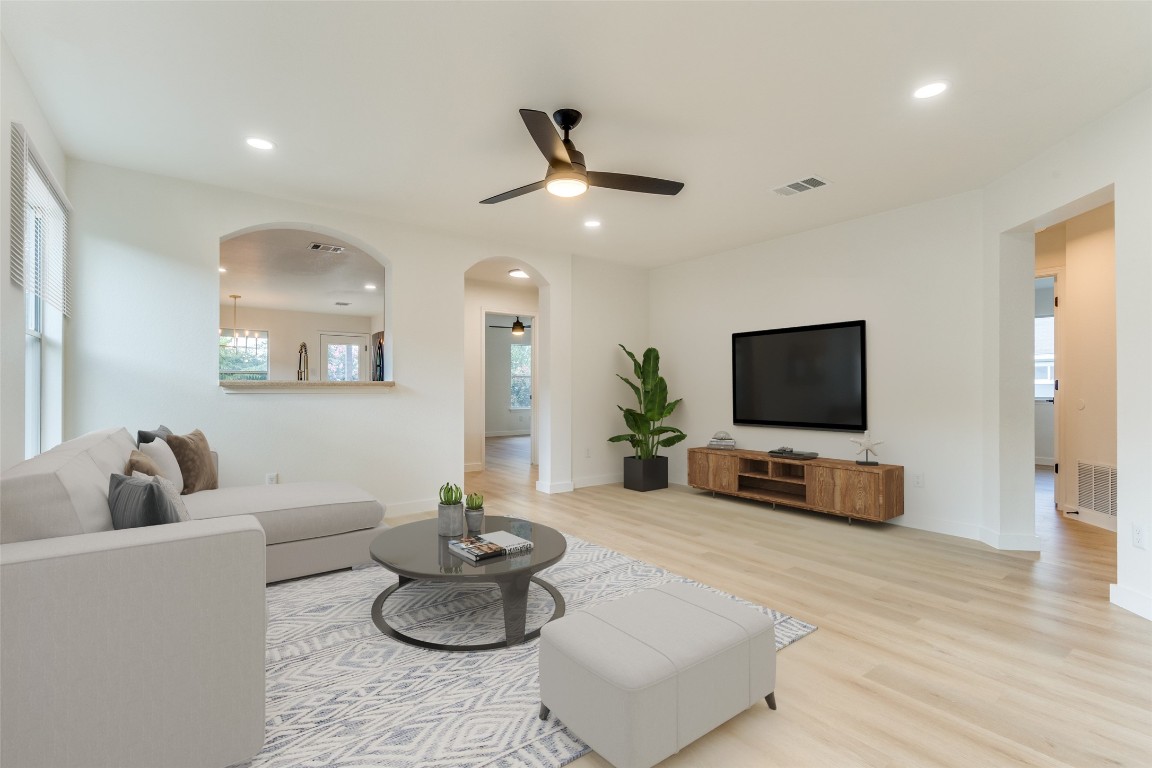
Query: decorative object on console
302	363
722	440
450	511
474	512
867	446
647	470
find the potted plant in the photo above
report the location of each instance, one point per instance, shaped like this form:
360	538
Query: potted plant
451	511
474	512
646	470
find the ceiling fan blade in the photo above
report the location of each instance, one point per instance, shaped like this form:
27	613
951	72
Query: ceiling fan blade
630	183
546	137
514	193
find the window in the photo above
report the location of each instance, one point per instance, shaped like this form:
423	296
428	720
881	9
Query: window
39	265
521	376
243	355
345	356
1044	380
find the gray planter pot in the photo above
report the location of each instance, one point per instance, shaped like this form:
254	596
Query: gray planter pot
451	519
645	474
474	519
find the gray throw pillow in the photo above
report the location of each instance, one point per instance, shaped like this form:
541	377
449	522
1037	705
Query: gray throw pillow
138	501
148	435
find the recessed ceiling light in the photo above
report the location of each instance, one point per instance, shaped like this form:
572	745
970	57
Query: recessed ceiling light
930	90
592	224
369	287
222	269
518	273
257	143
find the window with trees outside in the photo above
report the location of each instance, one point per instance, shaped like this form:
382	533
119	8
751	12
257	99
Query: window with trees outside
1044	359
521	376
243	355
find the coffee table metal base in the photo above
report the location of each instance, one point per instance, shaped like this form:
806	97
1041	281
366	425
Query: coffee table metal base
514	593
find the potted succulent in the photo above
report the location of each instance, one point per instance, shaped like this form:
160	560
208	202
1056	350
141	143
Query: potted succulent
646	470
451	511
474	512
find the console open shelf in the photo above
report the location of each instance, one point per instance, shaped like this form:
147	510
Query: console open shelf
834	486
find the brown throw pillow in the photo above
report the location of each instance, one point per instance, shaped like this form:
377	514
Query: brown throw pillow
138	462
195	460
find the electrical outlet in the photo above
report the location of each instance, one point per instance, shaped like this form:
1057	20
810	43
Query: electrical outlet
918	480
1138	536
272	478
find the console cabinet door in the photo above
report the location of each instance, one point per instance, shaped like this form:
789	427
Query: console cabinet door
713	472
821	487
858	494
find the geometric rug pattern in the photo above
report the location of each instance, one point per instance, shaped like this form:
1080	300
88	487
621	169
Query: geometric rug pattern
342	695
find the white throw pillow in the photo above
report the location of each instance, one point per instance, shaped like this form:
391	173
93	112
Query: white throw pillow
159	452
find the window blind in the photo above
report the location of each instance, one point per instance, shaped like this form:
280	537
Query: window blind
39	258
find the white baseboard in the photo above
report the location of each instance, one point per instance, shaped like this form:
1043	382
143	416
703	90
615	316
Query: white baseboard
587	482
1131	600
476	466
554	487
1012	542
1090	516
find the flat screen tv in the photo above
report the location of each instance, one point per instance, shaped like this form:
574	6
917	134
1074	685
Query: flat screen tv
811	377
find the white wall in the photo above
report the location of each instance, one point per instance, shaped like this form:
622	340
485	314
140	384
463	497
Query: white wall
481	296
17	105
611	308
287	329
146	252
912	274
1110	158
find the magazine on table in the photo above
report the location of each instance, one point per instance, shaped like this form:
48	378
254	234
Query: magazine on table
485	546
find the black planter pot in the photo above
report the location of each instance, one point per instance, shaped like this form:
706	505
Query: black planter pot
645	474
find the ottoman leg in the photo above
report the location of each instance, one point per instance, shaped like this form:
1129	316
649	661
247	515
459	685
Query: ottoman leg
544	711
771	699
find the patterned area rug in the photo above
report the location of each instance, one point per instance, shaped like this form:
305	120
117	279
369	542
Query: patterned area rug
342	694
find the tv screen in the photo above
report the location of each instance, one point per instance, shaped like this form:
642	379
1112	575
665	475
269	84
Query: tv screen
811	376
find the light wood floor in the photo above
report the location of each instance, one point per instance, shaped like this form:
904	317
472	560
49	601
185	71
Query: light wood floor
931	650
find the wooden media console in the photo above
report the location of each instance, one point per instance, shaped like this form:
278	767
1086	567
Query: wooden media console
834	486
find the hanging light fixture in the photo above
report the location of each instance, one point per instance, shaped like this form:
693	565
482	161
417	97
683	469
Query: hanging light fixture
517	328
235	331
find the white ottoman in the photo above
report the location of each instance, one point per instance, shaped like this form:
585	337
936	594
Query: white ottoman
642	677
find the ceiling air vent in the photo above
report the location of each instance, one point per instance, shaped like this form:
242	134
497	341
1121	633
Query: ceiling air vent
812	182
343	303
326	248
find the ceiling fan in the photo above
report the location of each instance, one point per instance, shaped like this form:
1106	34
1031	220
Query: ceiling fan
567	174
517	327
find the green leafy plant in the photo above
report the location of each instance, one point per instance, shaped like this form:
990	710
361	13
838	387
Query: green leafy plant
450	494
474	501
648	433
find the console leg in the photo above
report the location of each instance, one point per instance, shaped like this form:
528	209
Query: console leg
544	711
771	700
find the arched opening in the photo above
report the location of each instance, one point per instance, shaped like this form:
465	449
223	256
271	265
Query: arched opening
308	303
505	383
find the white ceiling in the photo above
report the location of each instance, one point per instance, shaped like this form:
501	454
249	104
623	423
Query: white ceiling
277	269
408	111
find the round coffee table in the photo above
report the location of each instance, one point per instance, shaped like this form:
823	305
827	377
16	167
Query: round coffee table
414	551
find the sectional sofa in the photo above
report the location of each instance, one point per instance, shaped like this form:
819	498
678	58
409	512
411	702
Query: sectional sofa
145	646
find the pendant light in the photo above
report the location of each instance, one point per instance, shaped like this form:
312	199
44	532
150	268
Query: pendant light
517	328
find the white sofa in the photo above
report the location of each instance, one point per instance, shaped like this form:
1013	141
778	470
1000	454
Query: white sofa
145	646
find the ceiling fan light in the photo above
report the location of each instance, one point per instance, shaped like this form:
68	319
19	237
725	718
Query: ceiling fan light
566	183
517	328
518	273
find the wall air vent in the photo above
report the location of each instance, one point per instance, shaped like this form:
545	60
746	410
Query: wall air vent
1096	486
812	182
326	248
343	303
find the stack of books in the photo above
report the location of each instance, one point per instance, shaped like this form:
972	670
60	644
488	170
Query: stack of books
722	442
486	546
